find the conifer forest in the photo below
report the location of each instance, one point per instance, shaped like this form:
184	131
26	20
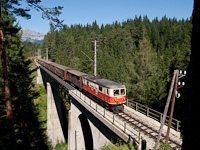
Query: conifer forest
139	53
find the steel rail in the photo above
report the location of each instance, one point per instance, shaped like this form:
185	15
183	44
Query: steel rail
144	128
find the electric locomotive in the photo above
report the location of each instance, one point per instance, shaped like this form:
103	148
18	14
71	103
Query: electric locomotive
110	94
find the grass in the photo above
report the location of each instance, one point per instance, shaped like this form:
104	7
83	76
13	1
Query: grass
41	104
165	146
118	146
61	146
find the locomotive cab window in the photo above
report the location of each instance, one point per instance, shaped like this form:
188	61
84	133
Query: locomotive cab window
123	92
116	92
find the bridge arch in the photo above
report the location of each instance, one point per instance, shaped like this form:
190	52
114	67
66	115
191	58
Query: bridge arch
87	132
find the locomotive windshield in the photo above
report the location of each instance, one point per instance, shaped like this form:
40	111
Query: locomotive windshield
118	92
123	92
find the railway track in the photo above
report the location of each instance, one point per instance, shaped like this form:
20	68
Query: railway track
147	129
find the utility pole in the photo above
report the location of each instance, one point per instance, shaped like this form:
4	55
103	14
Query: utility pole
47	54
172	106
39	53
172	87
177	95
95	58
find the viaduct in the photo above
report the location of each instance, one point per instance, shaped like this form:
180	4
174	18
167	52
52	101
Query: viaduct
90	126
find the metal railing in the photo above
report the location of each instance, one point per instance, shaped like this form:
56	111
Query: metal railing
176	124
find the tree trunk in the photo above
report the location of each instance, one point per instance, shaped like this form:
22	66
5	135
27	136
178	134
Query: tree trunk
9	111
192	111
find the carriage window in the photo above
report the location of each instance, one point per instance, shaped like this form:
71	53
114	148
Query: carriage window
122	91
116	92
84	81
91	84
96	86
100	88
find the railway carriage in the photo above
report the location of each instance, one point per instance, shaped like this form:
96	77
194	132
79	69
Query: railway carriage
46	64
61	71
75	78
52	66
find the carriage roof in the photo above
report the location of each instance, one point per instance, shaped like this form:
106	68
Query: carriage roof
104	82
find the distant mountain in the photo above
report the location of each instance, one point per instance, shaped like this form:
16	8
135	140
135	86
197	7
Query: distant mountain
32	36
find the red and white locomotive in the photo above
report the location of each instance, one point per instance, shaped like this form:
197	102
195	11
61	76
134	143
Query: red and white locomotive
109	94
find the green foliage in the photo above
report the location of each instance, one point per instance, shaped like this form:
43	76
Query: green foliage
165	146
61	146
28	130
146	76
138	53
118	146
30	49
41	104
50	14
28	133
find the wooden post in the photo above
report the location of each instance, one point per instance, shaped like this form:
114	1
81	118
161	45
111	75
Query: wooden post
172	106
147	112
136	107
166	109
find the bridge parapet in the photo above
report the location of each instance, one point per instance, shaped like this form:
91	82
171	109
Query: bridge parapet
39	76
155	115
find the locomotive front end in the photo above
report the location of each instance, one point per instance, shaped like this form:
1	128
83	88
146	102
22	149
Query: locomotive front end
117	96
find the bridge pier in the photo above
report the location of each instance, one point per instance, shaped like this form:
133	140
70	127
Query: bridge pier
54	129
85	131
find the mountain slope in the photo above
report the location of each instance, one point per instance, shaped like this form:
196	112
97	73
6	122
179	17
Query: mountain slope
31	36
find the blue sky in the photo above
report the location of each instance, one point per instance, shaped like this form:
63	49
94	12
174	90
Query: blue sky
107	11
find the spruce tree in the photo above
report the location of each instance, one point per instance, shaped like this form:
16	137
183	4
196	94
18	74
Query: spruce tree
29	134
10	6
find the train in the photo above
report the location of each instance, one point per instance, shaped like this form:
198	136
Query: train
111	95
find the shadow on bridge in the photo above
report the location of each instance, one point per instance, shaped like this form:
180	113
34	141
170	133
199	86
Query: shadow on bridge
60	95
87	133
89	124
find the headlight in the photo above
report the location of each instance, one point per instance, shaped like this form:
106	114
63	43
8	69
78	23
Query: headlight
124	98
115	99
